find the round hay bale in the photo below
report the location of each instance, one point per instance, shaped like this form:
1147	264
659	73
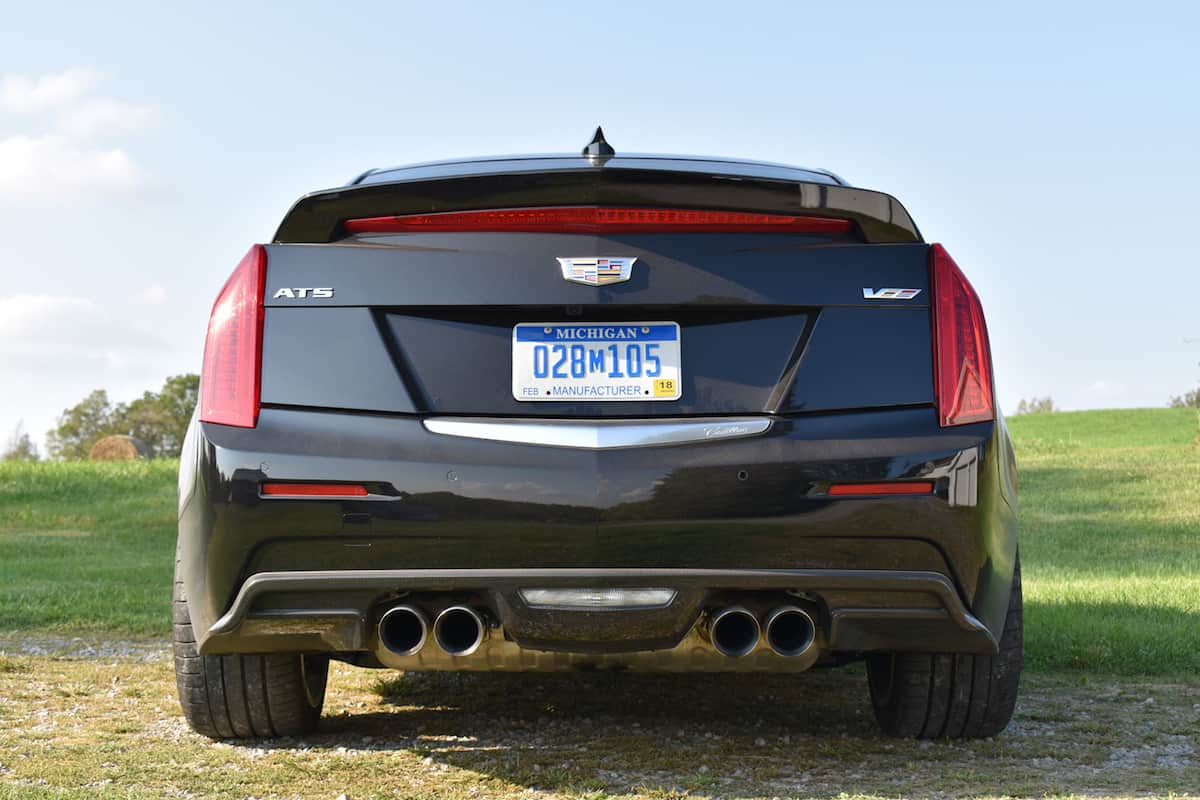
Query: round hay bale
118	448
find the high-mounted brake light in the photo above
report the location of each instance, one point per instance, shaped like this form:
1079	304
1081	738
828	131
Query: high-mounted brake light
229	382
962	358
598	219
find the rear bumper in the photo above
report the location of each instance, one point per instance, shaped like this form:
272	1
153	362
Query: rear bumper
337	611
455	518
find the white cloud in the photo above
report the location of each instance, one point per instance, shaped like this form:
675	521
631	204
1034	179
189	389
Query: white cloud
60	332
103	116
153	295
32	314
22	94
54	349
63	165
61	171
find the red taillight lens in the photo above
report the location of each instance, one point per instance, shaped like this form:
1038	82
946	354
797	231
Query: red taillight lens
314	490
229	383
962	359
595	219
887	487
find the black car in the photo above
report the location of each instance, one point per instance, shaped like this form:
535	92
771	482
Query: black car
597	412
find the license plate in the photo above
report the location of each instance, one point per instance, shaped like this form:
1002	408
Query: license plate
596	361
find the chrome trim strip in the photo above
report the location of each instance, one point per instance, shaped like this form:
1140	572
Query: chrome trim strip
599	434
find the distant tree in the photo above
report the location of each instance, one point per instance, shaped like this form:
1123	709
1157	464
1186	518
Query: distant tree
159	419
20	447
1036	405
141	419
177	400
80	426
1187	399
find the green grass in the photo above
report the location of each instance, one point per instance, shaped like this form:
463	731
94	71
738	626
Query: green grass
1110	540
87	547
1110	543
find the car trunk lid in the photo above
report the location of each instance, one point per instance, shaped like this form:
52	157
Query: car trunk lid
422	323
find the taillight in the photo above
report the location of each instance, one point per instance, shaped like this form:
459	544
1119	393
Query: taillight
598	219
229	383
962	360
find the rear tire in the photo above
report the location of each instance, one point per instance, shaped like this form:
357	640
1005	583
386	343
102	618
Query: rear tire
950	695
244	696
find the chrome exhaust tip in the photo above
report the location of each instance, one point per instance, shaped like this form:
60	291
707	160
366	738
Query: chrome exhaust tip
733	631
459	630
403	630
790	631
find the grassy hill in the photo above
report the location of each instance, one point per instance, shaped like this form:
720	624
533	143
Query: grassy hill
87	546
1110	539
1110	527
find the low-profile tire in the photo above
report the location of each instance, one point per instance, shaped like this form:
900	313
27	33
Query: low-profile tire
244	696
950	695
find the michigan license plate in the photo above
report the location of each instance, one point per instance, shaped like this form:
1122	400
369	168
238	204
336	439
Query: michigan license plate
596	361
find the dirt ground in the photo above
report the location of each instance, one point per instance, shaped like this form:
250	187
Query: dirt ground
75	724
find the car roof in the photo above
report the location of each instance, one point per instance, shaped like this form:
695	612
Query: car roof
561	162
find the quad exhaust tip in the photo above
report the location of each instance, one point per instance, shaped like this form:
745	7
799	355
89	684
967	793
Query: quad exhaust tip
459	630
403	630
790	631
733	631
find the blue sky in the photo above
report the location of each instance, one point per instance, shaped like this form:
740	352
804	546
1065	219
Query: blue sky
1051	147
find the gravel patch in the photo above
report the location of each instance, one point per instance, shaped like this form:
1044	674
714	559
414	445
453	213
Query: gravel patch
52	646
75	721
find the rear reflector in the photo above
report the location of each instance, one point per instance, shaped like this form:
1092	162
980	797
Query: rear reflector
962	359
888	487
595	219
313	490
229	381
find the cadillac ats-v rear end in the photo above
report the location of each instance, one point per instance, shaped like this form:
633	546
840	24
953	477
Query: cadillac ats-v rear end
598	412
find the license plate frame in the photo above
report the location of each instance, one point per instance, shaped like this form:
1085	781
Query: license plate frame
653	351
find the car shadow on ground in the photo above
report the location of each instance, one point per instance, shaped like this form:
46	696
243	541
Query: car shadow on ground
744	735
620	732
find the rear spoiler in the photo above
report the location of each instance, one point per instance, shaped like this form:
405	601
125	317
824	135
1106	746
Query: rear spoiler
319	217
